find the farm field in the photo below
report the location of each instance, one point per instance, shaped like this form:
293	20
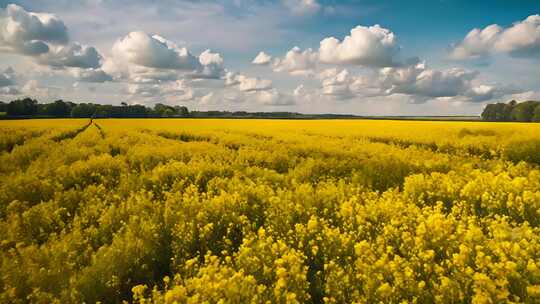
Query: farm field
269	211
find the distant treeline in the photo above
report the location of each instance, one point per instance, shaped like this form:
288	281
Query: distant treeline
512	111
28	107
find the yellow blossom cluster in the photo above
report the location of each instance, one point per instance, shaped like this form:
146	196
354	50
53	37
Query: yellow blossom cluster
269	211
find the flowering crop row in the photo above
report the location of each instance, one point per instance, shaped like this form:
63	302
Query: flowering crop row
221	211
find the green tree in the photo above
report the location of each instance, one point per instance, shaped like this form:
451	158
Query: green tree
536	115
164	110
59	108
83	110
22	107
182	110
523	111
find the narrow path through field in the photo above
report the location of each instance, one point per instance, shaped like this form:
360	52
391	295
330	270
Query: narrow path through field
71	134
101	132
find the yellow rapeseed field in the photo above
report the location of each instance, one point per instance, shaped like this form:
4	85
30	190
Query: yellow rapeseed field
269	211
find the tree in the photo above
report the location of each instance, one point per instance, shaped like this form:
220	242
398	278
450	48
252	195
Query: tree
85	110
22	107
3	106
497	112
536	115
58	108
523	111
512	111
164	110
182	110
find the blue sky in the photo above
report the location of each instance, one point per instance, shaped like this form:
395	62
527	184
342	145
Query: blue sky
400	57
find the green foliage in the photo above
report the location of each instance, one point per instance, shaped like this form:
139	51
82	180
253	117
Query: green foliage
524	111
22	107
512	111
536	114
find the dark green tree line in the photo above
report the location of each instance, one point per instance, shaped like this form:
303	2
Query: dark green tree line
526	111
28	107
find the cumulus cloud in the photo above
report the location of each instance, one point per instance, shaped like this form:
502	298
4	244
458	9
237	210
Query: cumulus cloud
372	46
211	66
73	55
142	58
8	85
297	62
415	83
34	88
178	90
44	37
336	83
262	59
302	7
247	84
368	46
423	83
144	90
478	42
173	91
7	77
9	91
522	39
154	52
273	97
210	99
418	80
91	75
28	32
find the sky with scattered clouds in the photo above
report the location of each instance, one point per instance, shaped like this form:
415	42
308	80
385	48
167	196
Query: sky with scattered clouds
367	57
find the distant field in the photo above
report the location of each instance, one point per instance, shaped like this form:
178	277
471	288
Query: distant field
278	211
457	118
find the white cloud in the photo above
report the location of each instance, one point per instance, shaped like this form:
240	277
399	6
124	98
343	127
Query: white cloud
28	32
522	39
9	91
297	62
7	77
141	58
368	46
177	91
173	91
336	83
419	80
478	42
273	98
302	7
300	91
73	55
372	46
262	59
8	85
36	89
247	84
44	37
423	84
211	66
210	99
141	49
144	90
91	75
